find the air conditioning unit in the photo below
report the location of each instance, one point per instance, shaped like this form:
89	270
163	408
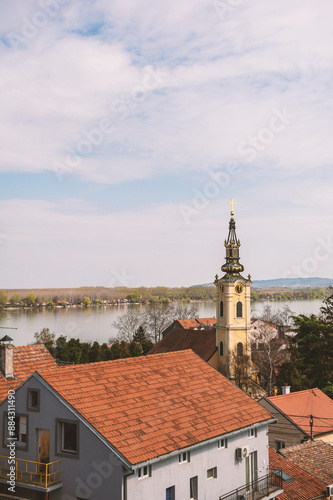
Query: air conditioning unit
329	490
242	452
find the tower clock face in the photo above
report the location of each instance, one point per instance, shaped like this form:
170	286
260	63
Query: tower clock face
239	288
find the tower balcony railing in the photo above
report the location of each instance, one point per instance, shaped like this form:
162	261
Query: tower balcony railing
262	488
42	476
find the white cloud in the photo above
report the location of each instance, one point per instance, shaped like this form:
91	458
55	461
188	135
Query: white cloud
226	76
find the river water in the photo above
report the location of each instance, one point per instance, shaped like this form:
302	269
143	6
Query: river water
95	323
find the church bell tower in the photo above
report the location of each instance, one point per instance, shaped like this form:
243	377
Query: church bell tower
233	315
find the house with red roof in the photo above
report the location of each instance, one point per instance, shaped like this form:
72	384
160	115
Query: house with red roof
18	362
165	426
301	416
316	457
298	484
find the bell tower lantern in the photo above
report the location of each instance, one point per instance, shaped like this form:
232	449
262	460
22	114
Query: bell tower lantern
233	315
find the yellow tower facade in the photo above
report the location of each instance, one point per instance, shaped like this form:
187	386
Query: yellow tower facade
233	311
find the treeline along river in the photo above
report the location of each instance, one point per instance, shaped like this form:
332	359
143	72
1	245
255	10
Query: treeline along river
95	323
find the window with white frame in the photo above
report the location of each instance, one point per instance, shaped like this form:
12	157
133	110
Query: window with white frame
184	457
222	443
252	432
212	473
144	472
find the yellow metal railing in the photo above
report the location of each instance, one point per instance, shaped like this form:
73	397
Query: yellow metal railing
30	472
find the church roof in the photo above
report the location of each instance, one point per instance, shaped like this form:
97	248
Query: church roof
202	342
150	406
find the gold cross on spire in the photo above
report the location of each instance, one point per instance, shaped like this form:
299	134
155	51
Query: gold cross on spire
232	203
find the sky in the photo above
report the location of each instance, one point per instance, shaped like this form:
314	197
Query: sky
127	126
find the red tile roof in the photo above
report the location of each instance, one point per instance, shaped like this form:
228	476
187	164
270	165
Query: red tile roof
202	342
196	322
298	406
303	487
316	457
153	405
27	359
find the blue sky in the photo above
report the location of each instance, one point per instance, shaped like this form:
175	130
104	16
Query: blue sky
127	126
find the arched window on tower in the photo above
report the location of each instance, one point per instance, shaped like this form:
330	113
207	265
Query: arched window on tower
221	348
239	309
240	349
221	308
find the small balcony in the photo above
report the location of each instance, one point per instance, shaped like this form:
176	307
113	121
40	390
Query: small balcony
264	488
29	474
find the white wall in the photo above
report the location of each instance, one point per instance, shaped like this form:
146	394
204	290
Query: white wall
230	472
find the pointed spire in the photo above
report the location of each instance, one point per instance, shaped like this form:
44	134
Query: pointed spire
232	244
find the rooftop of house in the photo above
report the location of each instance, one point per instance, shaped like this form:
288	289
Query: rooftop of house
316	457
202	342
27	359
298	484
258	321
298	406
196	322
150	406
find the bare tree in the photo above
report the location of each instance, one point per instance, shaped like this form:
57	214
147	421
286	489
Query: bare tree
268	353
185	311
239	370
281	316
156	318
128	324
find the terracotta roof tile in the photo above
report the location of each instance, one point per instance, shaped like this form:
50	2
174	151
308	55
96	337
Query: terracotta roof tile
298	406
303	487
27	359
166	397
196	322
316	457
202	342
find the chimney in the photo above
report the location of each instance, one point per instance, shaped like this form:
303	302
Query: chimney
7	356
285	389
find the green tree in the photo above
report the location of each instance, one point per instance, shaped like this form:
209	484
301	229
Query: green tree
95	352
119	350
61	349
133	297
15	300
86	301
3	299
85	350
141	338
311	352
134	349
30	300
47	338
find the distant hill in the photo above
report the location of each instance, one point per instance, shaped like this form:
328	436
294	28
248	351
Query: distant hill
293	283
290	283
